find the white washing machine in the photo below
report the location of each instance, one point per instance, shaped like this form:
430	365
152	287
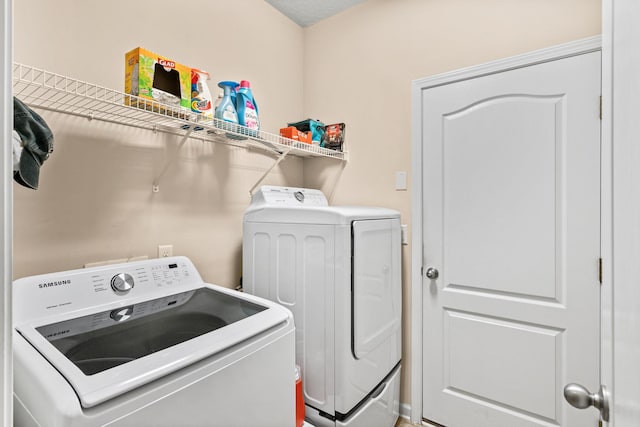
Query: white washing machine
149	344
338	270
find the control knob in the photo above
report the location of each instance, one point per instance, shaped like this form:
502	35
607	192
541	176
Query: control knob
122	283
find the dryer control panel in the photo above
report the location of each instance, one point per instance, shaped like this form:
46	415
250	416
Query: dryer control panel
269	195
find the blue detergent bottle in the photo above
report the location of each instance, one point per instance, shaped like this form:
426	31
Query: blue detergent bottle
247	108
226	111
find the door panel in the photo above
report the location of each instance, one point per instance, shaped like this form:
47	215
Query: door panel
511	209
486	248
497	370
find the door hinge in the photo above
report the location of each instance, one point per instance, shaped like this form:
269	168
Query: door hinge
599	423
600	107
600	270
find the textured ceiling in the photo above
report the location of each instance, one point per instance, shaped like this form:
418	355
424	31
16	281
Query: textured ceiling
308	12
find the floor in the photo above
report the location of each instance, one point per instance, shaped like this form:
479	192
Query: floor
405	423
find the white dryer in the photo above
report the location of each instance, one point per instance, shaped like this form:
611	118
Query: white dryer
149	344
338	270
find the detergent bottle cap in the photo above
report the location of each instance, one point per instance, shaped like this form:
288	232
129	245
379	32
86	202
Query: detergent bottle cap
245	83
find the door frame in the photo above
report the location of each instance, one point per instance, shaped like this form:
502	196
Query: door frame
621	66
587	45
6	214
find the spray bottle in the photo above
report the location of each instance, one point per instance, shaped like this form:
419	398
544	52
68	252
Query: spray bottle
226	115
247	108
226	111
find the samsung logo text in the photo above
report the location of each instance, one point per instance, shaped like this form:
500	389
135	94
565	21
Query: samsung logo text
55	283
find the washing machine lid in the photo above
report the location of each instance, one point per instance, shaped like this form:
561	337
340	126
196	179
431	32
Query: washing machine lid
104	351
293	205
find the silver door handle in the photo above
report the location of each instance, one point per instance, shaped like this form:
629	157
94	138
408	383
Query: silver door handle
581	398
432	273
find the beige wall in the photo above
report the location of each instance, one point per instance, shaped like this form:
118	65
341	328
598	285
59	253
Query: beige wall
95	201
359	66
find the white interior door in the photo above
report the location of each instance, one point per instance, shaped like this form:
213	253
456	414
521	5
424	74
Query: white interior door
511	205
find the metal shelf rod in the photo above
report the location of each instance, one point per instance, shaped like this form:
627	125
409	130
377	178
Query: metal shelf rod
156	182
276	163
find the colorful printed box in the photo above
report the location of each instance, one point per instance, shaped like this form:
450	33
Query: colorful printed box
158	78
293	133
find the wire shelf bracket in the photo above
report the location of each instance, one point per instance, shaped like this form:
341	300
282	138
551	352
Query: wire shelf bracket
268	171
156	182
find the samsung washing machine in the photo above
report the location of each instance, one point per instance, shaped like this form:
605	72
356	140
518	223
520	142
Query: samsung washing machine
338	270
148	344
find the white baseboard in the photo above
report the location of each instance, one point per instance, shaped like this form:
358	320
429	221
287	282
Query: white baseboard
405	412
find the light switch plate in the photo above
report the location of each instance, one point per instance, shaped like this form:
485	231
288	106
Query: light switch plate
401	181
404	233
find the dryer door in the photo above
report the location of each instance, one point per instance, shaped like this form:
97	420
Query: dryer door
376	285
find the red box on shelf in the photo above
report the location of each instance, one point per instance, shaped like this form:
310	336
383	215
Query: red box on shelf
293	133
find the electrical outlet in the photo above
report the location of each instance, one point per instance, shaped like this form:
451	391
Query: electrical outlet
165	251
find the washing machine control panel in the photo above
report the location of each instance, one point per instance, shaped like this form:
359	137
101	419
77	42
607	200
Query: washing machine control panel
68	291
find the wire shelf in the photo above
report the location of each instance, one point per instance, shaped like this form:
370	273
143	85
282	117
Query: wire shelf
43	89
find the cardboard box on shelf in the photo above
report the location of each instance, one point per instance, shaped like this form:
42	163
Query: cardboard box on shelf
157	78
292	132
315	127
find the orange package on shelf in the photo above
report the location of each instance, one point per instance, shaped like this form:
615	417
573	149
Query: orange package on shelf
292	133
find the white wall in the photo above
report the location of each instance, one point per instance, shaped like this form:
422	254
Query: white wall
95	200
